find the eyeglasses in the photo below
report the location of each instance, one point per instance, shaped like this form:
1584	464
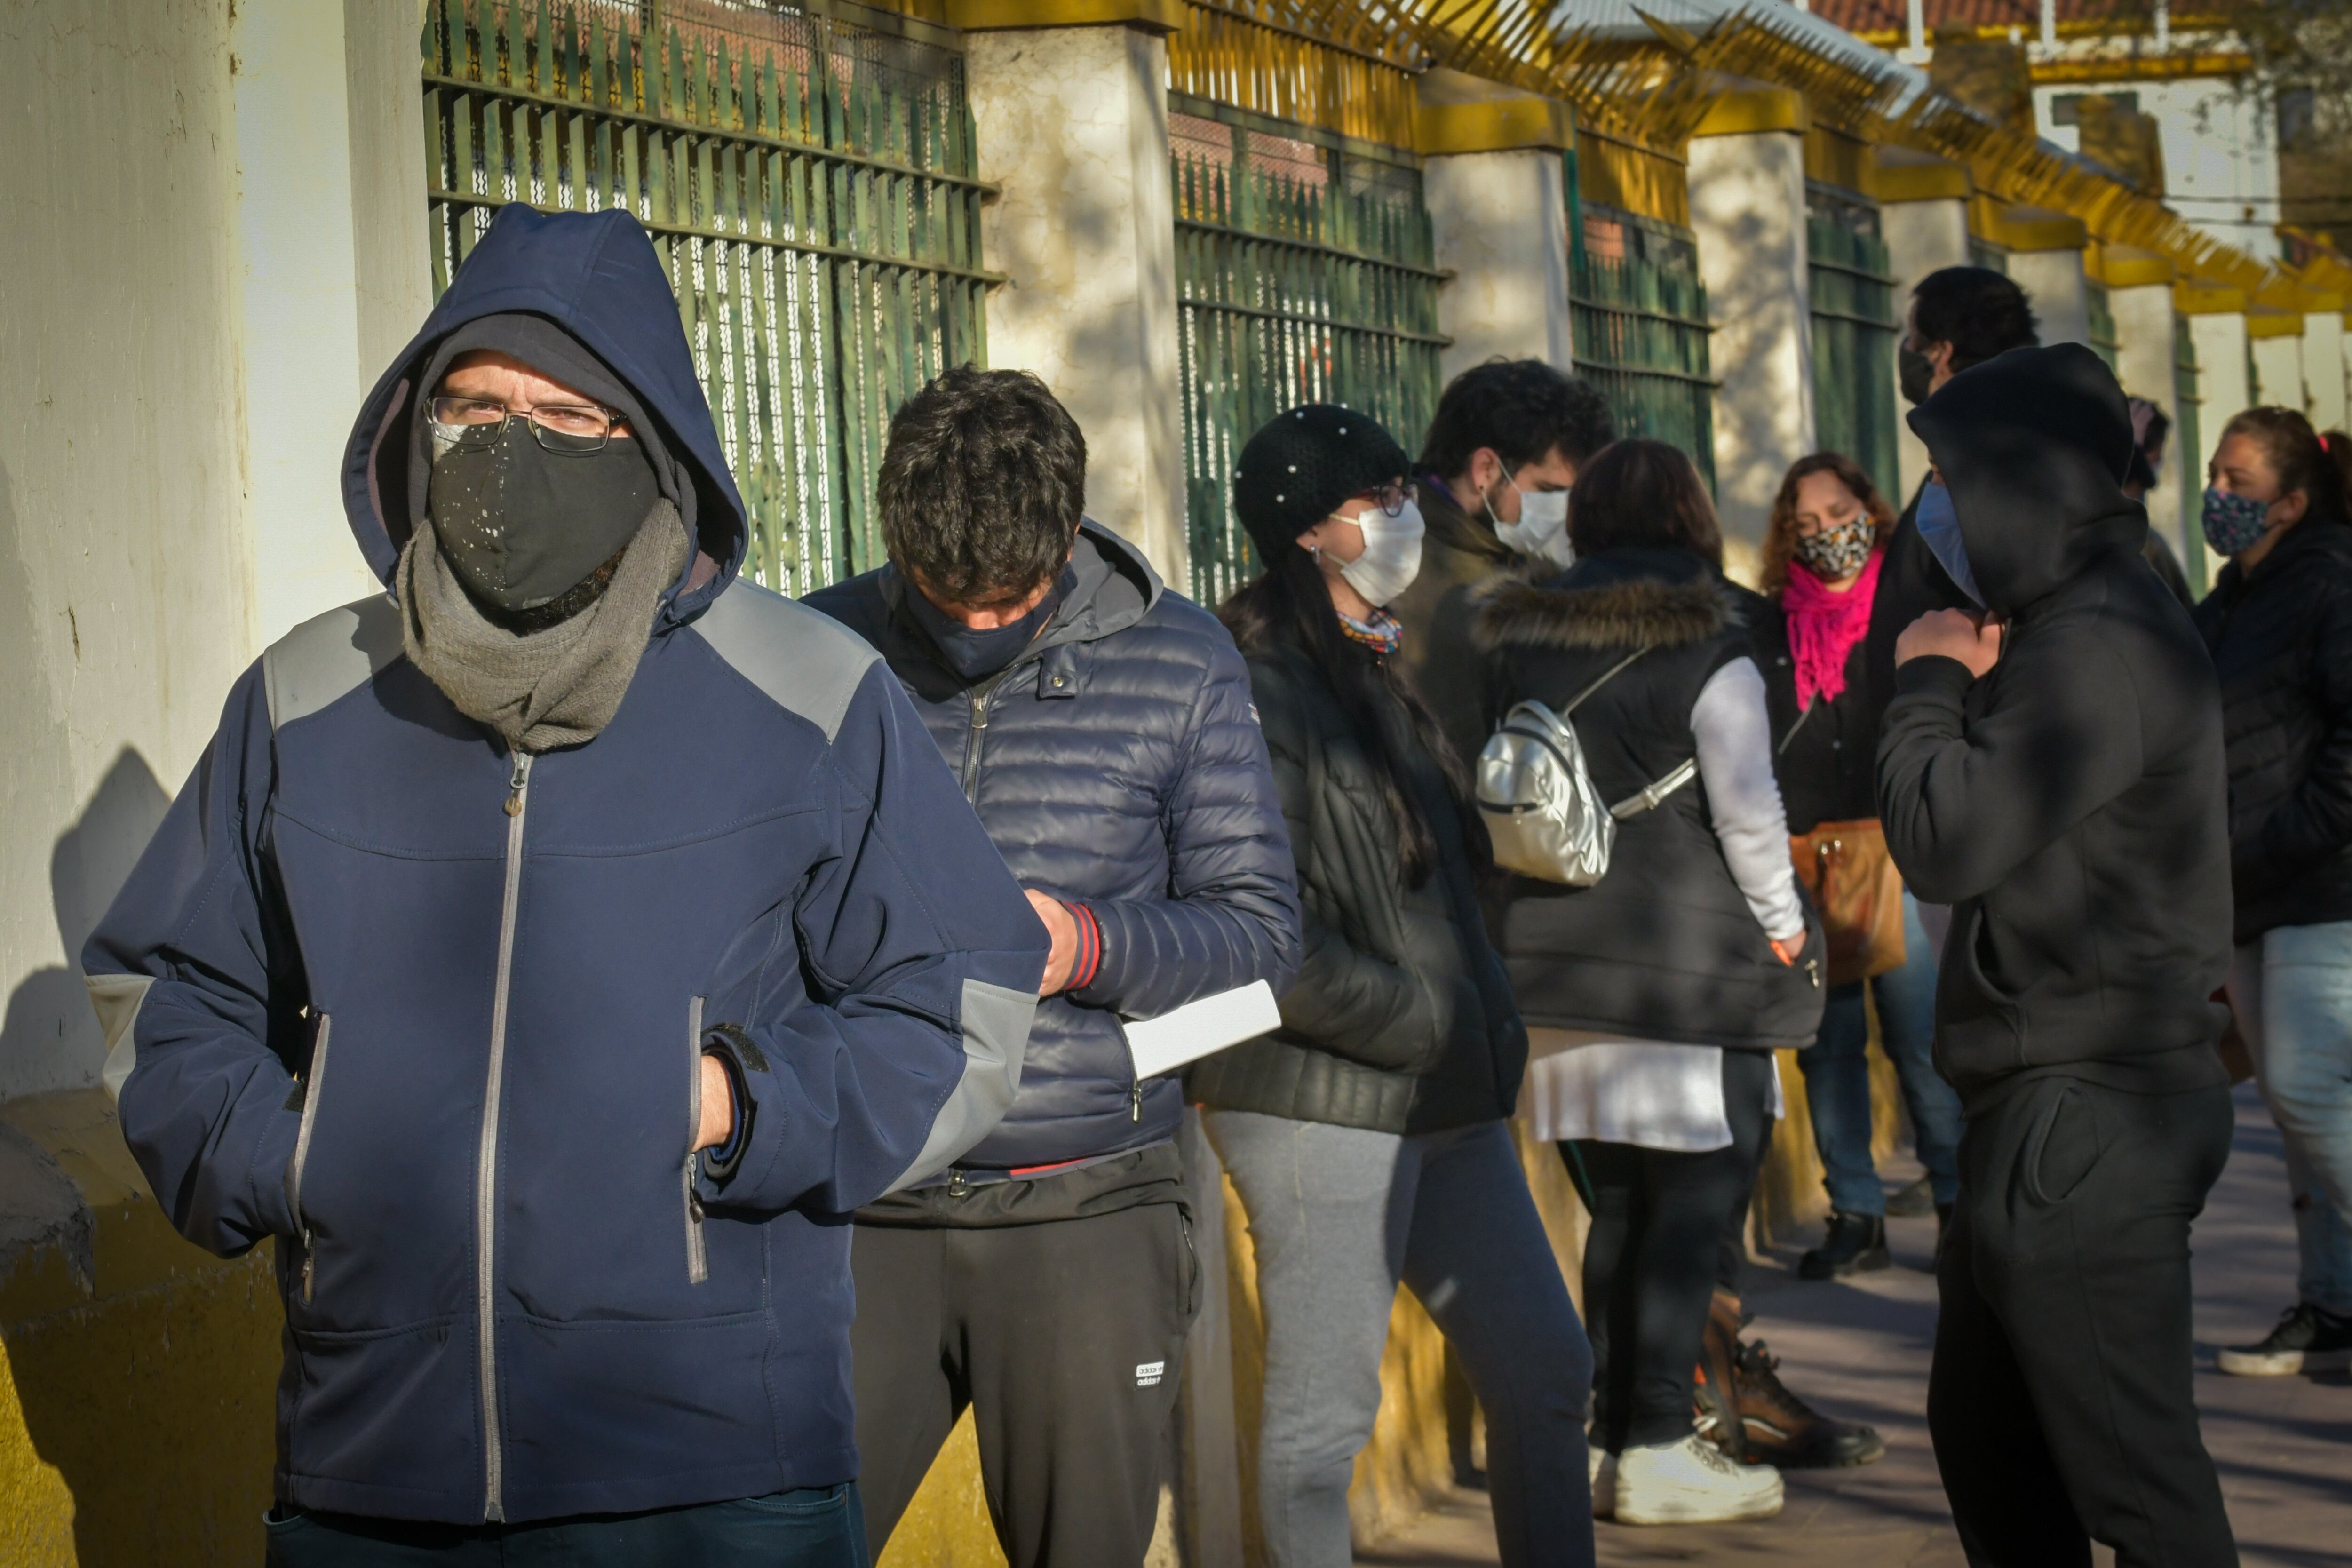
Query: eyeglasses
572	429
1392	498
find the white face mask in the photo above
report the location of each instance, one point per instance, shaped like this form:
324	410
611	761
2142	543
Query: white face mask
1542	528
1391	557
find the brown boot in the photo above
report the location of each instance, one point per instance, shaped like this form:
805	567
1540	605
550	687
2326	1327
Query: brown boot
1715	1388
1783	1430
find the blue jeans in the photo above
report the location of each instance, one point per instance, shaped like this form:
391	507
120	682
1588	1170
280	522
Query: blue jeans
2292	993
1837	1079
819	1527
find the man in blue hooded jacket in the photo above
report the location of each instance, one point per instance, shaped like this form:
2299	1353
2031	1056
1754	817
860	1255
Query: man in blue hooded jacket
1102	727
547	955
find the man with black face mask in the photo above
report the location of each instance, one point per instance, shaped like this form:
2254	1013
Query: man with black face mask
1959	316
546	954
1102	726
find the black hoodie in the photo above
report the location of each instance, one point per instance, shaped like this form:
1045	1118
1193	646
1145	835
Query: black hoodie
2071	805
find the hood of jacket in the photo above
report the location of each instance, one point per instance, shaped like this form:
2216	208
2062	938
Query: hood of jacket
596	276
2033	444
1617	598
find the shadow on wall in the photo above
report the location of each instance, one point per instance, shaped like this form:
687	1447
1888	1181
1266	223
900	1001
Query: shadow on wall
145	1385
50	1034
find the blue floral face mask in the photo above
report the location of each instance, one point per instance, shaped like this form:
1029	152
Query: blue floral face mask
2234	522
1939	530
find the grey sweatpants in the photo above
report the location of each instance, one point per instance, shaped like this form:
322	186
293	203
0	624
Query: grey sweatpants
1339	1215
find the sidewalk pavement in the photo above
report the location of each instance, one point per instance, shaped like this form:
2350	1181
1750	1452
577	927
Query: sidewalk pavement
1859	1348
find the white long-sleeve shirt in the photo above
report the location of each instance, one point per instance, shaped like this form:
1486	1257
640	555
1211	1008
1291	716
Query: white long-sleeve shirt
1654	1093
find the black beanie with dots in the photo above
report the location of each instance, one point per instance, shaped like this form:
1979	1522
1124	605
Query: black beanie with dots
1304	463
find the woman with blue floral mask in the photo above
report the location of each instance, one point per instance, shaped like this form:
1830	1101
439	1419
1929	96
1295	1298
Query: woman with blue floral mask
2279	626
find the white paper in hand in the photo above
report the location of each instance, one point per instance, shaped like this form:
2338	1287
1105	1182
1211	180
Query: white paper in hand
1193	1031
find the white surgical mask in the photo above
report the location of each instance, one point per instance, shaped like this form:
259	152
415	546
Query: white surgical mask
1391	557
1542	528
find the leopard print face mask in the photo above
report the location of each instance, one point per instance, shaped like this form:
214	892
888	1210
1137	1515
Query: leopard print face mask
1836	553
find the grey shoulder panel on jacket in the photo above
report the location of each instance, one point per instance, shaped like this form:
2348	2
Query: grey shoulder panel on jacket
803	659
329	657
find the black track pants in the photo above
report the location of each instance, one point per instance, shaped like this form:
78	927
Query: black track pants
2061	1402
1065	1339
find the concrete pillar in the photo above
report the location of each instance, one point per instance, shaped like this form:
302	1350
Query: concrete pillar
2045	257
331	225
1747	208
2277	347
1073	124
2217	328
2139	293
1495	181
1923	213
2323	367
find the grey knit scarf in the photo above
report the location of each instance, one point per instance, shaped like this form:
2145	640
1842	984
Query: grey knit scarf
548	689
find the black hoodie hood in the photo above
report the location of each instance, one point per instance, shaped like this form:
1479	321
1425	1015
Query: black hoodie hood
2034	445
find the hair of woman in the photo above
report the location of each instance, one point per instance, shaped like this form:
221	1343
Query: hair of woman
2319	466
1288	606
1646	495
1780	532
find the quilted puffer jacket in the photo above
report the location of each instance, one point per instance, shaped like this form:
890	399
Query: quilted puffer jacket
1401	1020
1117	765
2281	637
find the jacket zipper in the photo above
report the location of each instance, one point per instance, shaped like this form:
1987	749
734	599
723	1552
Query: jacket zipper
972	746
486	1163
314	1078
698	1262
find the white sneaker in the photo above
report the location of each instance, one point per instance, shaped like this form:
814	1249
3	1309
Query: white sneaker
1602	1467
1691	1482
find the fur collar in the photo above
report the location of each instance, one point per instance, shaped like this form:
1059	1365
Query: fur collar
1512	612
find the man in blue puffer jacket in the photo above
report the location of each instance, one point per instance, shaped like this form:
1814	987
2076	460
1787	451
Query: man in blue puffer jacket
1102	726
547	955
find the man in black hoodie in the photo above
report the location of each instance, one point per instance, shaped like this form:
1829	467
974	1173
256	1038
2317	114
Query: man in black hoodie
2052	767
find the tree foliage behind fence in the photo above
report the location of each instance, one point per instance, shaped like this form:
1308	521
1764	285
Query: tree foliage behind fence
807	175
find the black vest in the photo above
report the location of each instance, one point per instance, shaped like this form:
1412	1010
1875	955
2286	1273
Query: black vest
1665	946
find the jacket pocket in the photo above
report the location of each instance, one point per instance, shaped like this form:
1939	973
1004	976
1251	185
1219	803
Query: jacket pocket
1990	999
697	1259
311	1086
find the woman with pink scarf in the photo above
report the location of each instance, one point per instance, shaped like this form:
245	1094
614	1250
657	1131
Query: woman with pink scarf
1822	556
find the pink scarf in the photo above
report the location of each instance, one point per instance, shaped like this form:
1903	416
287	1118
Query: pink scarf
1823	627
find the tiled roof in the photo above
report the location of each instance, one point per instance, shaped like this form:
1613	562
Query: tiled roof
1894	15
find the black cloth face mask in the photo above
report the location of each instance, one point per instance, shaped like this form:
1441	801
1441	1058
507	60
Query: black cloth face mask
1915	372
521	526
974	654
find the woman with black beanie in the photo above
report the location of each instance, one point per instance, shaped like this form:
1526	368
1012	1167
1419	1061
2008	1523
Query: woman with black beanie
1366	1136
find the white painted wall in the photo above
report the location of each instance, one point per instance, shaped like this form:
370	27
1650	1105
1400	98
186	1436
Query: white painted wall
2323	368
207	264
2053	281
1500	221
2221	391
124	588
1073	122
2144	355
2278	372
2220	159
1921	236
1747	208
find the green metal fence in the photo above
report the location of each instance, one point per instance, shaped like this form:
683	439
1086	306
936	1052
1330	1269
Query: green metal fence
1304	275
1639	314
806	171
1984	253
2189	441
2106	342
1855	323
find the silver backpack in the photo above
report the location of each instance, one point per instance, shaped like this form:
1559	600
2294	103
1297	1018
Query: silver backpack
1546	818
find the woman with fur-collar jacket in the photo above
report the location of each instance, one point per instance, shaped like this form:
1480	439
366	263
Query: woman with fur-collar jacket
1654	998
